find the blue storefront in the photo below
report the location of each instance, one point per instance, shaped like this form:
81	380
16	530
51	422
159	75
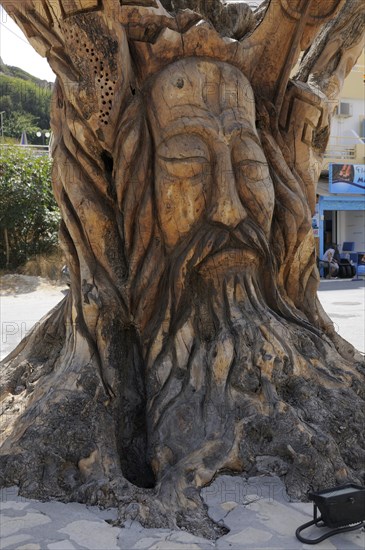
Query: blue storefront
340	218
336	203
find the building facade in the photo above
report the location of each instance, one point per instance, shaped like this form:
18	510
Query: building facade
340	215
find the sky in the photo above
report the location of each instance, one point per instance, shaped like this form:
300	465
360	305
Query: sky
15	50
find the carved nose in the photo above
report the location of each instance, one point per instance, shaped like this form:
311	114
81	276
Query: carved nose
227	208
228	213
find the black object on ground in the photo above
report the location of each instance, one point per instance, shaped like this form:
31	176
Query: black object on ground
342	508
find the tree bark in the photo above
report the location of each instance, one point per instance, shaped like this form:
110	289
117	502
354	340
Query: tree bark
192	340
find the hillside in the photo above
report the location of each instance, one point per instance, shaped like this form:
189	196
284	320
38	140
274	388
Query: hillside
16	72
25	101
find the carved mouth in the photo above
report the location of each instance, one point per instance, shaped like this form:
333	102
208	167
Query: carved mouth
227	259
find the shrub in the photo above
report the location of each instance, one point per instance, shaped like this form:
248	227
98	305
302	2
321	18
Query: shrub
29	216
16	123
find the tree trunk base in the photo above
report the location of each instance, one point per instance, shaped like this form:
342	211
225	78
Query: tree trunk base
61	434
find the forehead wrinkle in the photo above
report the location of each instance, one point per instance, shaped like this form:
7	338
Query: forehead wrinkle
238	118
186	125
181	114
177	111
211	127
196	116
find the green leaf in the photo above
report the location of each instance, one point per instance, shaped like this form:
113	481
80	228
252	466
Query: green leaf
27	207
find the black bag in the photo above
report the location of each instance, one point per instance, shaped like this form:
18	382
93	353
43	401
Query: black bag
346	270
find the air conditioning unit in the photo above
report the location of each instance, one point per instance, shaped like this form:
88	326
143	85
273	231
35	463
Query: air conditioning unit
344	109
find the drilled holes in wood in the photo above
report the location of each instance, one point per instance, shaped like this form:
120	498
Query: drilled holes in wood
106	92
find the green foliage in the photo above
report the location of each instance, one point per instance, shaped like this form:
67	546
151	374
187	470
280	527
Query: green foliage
20	96
16	122
29	217
6	103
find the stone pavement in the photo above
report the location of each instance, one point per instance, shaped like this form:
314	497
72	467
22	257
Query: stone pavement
257	511
344	301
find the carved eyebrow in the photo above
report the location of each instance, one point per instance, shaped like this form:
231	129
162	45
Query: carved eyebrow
182	159
200	131
197	110
200	124
237	128
203	126
251	135
250	161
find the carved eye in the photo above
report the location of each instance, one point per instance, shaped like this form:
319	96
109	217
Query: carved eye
184	157
253	170
249	160
190	167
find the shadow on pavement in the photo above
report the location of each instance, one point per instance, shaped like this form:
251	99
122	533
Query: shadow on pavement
341	284
13	284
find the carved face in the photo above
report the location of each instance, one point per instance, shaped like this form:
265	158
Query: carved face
209	164
212	195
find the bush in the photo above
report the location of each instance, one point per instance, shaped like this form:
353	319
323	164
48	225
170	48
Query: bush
16	123
29	216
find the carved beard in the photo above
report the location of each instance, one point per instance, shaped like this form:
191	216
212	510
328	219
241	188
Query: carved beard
212	254
211	304
214	333
211	347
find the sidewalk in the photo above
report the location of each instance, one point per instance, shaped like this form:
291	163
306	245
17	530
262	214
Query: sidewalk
344	301
257	511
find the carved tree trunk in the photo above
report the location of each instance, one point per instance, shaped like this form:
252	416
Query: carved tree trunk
192	340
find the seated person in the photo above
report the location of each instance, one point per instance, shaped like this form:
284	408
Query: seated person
328	260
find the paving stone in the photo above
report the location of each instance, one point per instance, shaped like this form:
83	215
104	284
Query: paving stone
146	542
14	539
61	545
171	545
238	518
228	506
264	519
278	517
346	541
13	505
132	535
325	545
110	514
359	537
93	535
185	537
12	525
249	536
